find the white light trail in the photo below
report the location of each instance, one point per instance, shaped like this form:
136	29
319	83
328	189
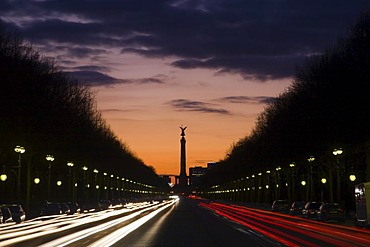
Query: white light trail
23	232
124	231
66	240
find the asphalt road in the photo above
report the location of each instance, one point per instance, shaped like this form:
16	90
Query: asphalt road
185	222
188	224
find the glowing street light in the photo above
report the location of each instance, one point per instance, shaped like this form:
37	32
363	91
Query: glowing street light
20	150
3	177
71	178
323	181
310	159
36	180
352	177
49	158
337	151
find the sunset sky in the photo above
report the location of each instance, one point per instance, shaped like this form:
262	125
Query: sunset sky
210	65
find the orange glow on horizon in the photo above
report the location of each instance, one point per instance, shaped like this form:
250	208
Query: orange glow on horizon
141	116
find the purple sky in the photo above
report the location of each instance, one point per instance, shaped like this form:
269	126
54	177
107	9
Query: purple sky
155	65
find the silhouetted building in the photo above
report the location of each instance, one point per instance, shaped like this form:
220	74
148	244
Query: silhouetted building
195	174
166	178
210	165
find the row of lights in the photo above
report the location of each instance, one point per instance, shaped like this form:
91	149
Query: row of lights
336	152
20	150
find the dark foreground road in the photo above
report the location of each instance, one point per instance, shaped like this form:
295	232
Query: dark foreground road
187	224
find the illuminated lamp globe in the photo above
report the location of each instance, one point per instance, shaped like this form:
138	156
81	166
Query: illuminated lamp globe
3	177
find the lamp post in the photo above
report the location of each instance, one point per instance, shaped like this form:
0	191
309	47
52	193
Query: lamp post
105	185
336	153
277	181
323	181
49	158
85	168
20	150
3	176
291	190
96	183
268	195
71	179
310	179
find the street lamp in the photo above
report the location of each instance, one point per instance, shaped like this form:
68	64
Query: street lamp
336	153
96	182
310	159
85	168
291	190
71	179
49	158
85	185
20	150
352	177
323	181
310	179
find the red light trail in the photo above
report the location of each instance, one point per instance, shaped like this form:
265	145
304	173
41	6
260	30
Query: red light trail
291	230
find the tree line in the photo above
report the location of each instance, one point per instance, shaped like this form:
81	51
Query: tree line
48	112
326	107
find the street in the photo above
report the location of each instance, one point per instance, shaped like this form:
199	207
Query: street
188	224
180	222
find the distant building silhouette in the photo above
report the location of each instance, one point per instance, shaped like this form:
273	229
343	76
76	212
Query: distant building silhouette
210	165
195	174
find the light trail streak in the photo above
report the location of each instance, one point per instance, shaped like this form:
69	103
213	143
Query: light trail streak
267	231
69	239
12	231
327	231
52	226
267	223
124	231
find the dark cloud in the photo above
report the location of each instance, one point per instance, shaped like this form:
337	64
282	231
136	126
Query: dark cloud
247	99
251	67
117	110
189	105
95	78
257	39
93	68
